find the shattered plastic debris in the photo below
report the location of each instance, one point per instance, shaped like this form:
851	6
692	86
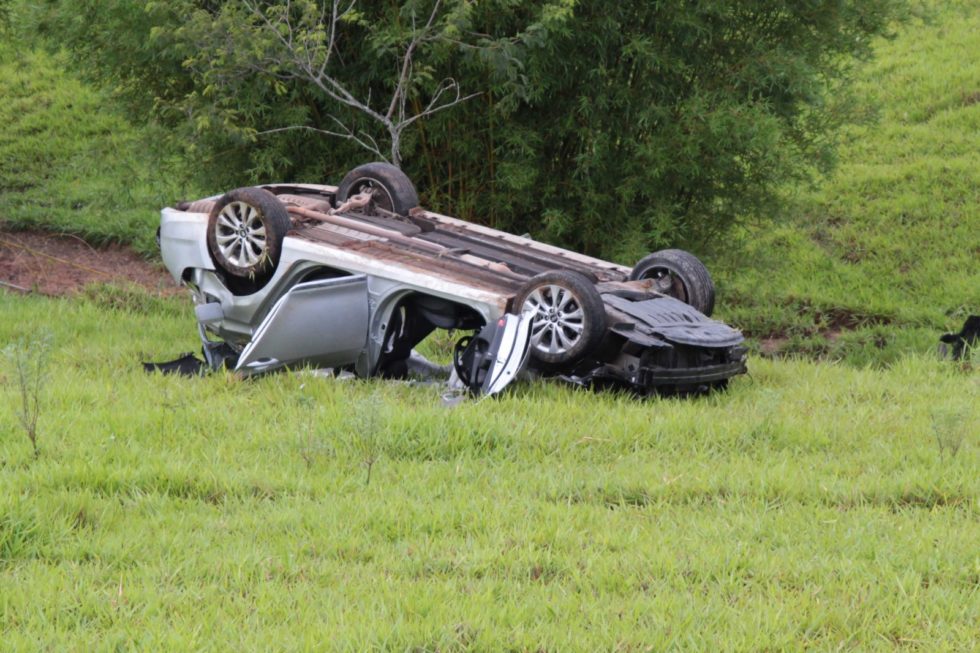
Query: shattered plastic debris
962	342
187	365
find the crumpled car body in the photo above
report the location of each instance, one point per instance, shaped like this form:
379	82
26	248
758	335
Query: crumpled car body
356	286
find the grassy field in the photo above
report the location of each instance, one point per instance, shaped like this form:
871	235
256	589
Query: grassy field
69	162
811	506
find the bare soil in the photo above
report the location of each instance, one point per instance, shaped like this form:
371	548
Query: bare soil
773	345
57	264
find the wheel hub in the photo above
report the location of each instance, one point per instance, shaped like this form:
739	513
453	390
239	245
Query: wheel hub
558	321
240	234
379	194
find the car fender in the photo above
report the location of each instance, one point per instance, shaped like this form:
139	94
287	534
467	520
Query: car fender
183	242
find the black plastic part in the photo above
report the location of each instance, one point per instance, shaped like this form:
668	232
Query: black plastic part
670	319
653	377
473	357
468	361
446	314
967	338
406	328
187	365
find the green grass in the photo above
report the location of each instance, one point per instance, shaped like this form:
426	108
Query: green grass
70	163
886	249
809	506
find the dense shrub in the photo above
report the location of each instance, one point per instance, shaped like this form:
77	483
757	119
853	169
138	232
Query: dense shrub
615	127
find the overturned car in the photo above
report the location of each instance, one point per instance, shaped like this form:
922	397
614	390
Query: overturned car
355	276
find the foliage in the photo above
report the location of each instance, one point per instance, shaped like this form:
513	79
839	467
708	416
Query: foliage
651	121
874	262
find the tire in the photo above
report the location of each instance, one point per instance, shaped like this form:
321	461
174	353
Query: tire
681	275
570	316
246	228
392	189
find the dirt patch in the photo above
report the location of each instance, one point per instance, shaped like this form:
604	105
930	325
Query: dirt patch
773	346
818	332
56	264
839	319
971	98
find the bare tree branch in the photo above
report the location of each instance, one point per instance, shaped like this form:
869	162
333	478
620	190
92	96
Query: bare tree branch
364	140
335	19
303	55
401	89
433	108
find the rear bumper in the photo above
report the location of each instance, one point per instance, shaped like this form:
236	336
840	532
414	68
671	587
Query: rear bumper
667	379
654	377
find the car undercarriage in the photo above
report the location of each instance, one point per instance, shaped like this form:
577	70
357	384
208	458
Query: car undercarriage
356	276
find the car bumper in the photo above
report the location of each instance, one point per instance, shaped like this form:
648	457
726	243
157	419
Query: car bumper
656	377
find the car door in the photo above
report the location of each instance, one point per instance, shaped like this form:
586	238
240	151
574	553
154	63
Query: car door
323	323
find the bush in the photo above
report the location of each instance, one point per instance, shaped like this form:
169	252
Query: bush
654	122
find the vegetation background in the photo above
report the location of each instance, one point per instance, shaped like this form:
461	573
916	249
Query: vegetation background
818	504
661	122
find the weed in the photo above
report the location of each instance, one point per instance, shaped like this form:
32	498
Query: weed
28	360
950	430
311	444
368	427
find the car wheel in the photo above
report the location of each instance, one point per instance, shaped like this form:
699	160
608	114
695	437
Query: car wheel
391	188
679	274
246	228
568	316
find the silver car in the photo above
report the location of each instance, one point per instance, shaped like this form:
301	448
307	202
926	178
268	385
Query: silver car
355	276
